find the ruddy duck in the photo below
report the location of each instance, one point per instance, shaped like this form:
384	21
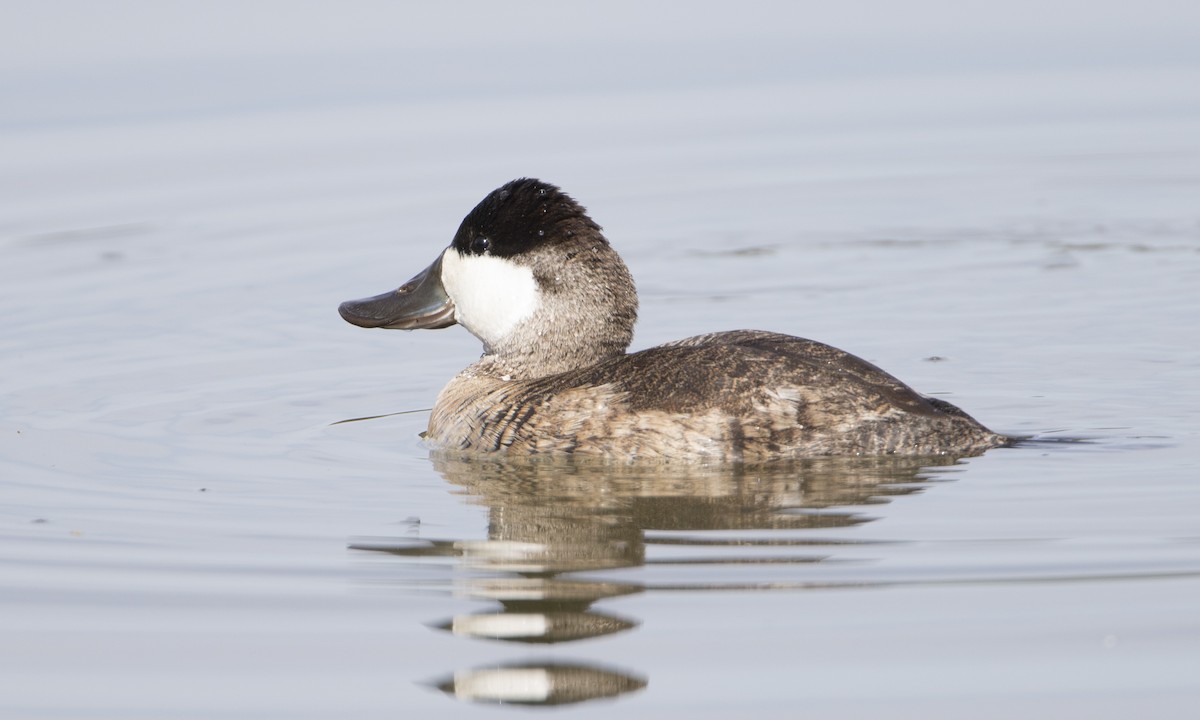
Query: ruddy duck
532	276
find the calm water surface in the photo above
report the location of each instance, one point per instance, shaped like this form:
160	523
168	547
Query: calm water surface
188	530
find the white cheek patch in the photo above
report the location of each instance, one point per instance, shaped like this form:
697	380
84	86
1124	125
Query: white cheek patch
491	295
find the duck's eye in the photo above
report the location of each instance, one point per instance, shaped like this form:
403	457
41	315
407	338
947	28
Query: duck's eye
480	245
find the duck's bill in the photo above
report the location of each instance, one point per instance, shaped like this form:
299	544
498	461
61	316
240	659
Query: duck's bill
420	303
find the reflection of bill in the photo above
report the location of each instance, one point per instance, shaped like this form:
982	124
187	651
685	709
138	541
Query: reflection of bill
550	519
539	684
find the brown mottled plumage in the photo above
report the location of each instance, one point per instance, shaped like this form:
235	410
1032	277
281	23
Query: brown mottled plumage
532	276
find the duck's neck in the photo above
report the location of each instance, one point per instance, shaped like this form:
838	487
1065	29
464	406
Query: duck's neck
548	345
537	356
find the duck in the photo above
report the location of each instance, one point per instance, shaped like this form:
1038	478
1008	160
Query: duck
533	277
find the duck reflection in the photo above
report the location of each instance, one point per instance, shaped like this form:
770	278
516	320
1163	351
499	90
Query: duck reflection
553	525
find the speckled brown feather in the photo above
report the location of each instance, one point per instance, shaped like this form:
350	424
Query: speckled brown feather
742	395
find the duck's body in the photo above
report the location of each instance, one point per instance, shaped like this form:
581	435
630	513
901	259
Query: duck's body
530	275
741	395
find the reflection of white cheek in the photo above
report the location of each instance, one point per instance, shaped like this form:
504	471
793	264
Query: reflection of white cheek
491	295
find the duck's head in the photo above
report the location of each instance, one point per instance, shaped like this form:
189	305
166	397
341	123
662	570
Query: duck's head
530	275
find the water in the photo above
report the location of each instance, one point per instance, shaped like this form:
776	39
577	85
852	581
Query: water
188	530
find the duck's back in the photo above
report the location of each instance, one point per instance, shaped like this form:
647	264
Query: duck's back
741	395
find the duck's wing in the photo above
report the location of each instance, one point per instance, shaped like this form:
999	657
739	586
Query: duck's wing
729	369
